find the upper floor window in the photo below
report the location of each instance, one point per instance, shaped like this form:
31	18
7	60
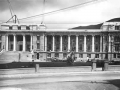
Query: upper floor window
19	27
117	27
10	27
38	45
38	38
80	47
27	28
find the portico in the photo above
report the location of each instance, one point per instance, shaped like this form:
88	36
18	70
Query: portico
18	42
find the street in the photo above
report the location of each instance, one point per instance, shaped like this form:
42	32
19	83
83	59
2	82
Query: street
72	79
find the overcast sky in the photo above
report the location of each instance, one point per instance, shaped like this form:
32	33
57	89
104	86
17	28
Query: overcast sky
96	12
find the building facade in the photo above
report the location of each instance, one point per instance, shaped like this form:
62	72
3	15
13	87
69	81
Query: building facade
58	43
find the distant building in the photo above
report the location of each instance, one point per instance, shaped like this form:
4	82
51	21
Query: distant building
47	43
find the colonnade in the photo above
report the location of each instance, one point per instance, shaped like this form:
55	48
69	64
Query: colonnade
77	41
15	40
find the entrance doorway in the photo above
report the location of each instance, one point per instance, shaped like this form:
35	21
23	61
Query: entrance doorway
19	43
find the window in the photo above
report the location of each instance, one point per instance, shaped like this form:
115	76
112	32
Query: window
27	28
114	55
38	45
117	47
38	38
89	55
96	55
81	55
10	27
97	48
49	55
64	55
88	47
80	47
19	27
37	55
56	54
117	27
118	55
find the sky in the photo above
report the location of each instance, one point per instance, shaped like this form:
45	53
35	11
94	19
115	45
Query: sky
85	14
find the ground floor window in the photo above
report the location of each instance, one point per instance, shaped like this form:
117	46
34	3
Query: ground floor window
89	55
81	55
37	55
64	55
48	54
114	55
118	55
56	54
96	55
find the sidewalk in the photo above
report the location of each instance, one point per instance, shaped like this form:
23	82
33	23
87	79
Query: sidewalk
50	71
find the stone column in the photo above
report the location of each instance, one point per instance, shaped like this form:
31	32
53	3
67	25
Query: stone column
14	43
45	43
93	44
84	43
61	43
76	43
31	42
101	42
109	43
24	43
53	49
69	43
6	42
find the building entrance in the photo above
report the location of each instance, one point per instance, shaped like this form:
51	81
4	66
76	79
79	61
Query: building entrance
19	46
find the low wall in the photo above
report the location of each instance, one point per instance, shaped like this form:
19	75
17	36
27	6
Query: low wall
114	68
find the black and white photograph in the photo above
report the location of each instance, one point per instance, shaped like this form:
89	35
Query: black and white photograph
59	44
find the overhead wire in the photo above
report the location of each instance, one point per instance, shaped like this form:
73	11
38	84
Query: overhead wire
10	8
55	11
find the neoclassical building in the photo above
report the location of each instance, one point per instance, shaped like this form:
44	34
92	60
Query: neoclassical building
99	43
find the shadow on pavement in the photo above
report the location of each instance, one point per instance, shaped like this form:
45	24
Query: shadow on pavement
115	82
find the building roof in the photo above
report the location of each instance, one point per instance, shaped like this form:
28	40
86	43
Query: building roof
114	20
97	26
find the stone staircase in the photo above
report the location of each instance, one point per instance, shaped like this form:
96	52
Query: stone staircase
15	56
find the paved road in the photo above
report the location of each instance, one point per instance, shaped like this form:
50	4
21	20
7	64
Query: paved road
58	75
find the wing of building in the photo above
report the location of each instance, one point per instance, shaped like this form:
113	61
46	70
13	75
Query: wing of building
93	41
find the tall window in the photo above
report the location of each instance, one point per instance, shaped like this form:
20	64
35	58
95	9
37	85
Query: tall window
38	38
38	45
80	47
